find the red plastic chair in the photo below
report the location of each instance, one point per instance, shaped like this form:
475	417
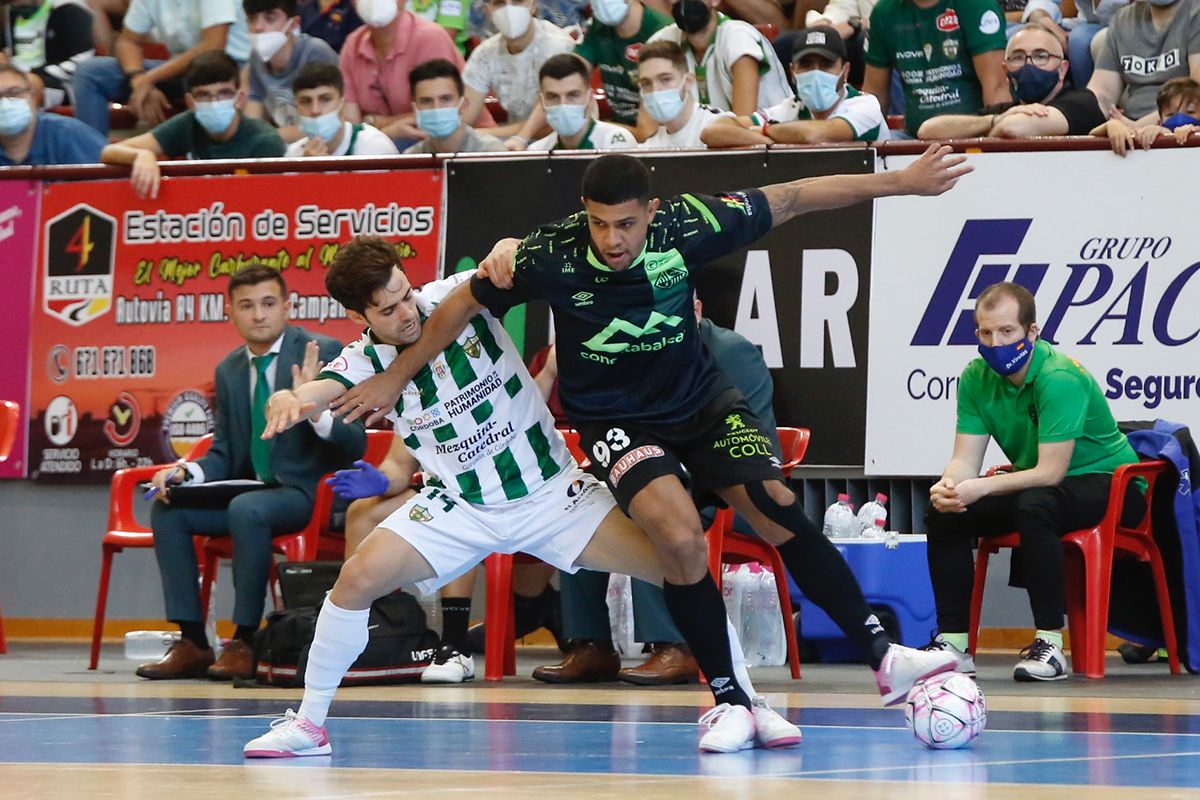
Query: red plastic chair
726	546
331	545
768	30
124	531
10	417
1090	555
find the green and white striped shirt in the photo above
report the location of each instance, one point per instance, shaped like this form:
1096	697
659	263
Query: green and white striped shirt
472	416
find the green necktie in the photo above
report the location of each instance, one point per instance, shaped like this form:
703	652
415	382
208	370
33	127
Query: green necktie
260	449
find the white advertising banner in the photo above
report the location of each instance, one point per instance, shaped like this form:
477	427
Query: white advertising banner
1109	247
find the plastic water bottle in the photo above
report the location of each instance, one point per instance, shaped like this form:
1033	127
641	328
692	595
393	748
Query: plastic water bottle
872	511
840	522
733	589
771	647
620	613
876	531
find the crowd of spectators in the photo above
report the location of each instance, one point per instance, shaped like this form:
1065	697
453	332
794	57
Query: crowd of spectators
430	76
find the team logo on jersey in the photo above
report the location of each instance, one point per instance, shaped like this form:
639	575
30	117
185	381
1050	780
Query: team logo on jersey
950	48
632	51
739	201
928	50
339	364
61	420
420	514
582	298
601	342
471	347
80	252
948	22
124	420
439	369
187	418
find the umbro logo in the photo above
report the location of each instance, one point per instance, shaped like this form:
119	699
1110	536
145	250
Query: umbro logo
583	298
718	683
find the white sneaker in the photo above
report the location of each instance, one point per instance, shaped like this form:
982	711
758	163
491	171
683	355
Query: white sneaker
449	666
289	736
1041	661
965	664
771	729
730	729
902	667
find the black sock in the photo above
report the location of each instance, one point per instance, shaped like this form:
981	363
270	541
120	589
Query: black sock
825	578
699	612
194	633
456	616
245	633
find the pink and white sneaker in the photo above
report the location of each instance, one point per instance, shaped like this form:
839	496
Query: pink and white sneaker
772	731
290	736
730	729
903	667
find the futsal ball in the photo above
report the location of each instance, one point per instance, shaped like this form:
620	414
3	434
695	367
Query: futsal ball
946	711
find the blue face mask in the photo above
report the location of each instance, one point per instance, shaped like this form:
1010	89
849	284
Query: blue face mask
216	116
438	122
1175	120
15	115
1007	358
664	105
818	90
1030	84
566	119
325	125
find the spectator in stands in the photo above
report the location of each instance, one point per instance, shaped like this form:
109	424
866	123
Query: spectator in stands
213	127
506	65
275	356
187	28
1093	17
949	56
48	40
1036	72
1050	418
571	110
437	91
377	58
1178	106
278	51
318	91
736	67
850	18
611	43
826	108
331	20
30	137
451	15
106	21
669	97
1147	44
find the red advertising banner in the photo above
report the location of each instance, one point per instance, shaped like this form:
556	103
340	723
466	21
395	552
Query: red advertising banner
18	233
129	310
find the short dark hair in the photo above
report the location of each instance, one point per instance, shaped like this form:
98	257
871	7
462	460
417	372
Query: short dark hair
665	48
614	179
992	295
361	268
1182	88
562	66
431	70
315	74
13	69
254	274
259	6
212	66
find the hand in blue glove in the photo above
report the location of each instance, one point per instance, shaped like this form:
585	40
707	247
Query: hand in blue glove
366	481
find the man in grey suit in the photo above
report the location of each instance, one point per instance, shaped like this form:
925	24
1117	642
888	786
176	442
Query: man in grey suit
276	356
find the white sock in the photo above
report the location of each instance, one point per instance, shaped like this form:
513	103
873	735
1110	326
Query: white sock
739	661
340	637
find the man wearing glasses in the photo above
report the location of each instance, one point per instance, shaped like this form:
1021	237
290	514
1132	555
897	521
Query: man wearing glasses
1036	68
35	138
213	127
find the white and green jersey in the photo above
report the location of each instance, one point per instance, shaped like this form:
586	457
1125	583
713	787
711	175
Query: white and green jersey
472	416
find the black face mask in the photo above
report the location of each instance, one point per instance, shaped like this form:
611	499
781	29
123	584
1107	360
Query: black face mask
691	15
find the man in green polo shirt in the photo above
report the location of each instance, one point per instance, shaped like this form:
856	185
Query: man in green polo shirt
1048	415
611	43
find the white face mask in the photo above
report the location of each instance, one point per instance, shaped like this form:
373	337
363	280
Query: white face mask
512	21
268	43
377	13
610	12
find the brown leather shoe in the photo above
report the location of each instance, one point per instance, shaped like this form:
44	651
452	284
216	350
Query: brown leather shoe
586	663
667	664
184	659
236	661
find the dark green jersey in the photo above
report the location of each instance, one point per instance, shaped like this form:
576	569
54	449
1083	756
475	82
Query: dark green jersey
628	346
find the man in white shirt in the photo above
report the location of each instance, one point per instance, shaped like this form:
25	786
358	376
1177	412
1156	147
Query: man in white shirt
668	96
565	82
319	99
825	108
506	65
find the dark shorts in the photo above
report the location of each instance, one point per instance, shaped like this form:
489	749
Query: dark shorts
722	445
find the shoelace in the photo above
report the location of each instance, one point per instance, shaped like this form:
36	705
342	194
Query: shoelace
444	654
288	718
1040	650
714	714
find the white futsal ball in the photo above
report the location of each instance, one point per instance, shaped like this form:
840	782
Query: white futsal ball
946	711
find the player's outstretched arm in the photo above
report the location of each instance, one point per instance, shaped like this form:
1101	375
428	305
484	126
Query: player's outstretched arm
935	172
377	395
288	406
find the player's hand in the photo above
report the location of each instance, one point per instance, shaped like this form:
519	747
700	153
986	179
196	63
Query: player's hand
935	172
316	147
145	175
498	265
284	410
165	478
365	481
311	367
372	398
1184	131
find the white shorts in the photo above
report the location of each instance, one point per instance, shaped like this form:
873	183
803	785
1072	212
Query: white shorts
555	524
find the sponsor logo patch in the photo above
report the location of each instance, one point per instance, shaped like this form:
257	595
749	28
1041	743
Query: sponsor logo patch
989	23
632	458
948	22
